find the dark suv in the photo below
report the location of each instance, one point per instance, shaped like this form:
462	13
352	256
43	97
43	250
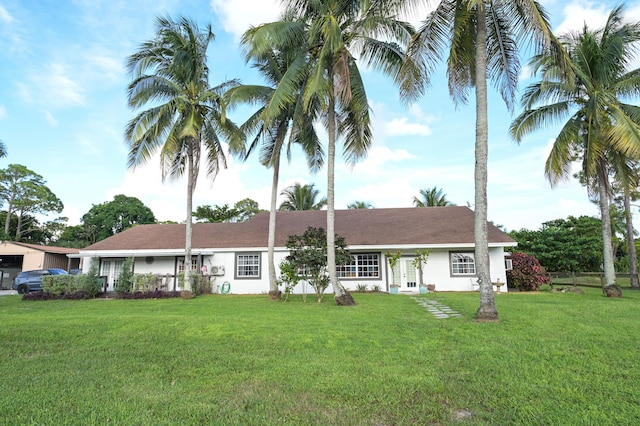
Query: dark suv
27	281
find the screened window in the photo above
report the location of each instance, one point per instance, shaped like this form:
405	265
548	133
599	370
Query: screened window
463	264
362	266
194	264
248	265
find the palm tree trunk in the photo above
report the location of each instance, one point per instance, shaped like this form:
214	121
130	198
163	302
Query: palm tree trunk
341	295
487	310
631	241
274	293
189	223
607	238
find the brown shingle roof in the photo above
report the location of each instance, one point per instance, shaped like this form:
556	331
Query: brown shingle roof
47	249
374	227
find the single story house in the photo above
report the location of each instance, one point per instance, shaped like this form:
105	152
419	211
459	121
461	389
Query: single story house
16	257
236	253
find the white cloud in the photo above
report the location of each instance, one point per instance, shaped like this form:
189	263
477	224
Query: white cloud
402	127
3	111
5	16
237	16
50	118
51	88
579	13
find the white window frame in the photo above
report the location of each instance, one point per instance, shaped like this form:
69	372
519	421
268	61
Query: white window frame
360	268
245	262
462	263
194	264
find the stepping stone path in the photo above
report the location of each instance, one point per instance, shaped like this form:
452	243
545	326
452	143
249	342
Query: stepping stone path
436	308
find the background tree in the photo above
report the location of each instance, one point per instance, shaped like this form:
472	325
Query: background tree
246	208
112	217
241	211
482	38
185	116
360	205
24	193
308	253
215	214
3	149
600	125
432	197
302	197
573	244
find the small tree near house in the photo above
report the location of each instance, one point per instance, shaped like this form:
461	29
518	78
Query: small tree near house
308	254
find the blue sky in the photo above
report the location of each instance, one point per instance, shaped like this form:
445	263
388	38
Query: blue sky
63	111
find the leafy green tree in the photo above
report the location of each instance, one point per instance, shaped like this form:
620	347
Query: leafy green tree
600	124
246	208
573	244
185	115
330	35
308	253
302	197
73	236
3	149
242	211
432	197
112	217
482	39
273	130
25	194
215	214
360	205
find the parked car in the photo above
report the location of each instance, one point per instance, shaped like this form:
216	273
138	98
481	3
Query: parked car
27	281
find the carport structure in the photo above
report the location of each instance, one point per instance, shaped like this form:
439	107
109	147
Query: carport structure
16	257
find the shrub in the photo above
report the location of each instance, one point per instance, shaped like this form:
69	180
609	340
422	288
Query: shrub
361	288
289	278
527	273
144	282
59	284
125	279
90	282
376	288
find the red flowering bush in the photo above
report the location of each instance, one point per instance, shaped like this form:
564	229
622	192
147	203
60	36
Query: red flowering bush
527	273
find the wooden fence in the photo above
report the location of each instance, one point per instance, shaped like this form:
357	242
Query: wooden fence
586	279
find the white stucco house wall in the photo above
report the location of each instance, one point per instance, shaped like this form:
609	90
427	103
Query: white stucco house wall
236	253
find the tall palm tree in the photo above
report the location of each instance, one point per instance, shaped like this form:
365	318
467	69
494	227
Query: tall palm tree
185	115
302	197
432	197
600	125
289	126
3	149
482	40
331	35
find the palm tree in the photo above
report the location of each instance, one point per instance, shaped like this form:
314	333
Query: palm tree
433	197
600	126
3	149
330	33
360	205
185	114
482	39
302	197
290	125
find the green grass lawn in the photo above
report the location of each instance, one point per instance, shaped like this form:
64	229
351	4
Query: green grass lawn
553	359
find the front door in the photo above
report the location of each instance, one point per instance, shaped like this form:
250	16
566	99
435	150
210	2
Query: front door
111	269
406	274
409	275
